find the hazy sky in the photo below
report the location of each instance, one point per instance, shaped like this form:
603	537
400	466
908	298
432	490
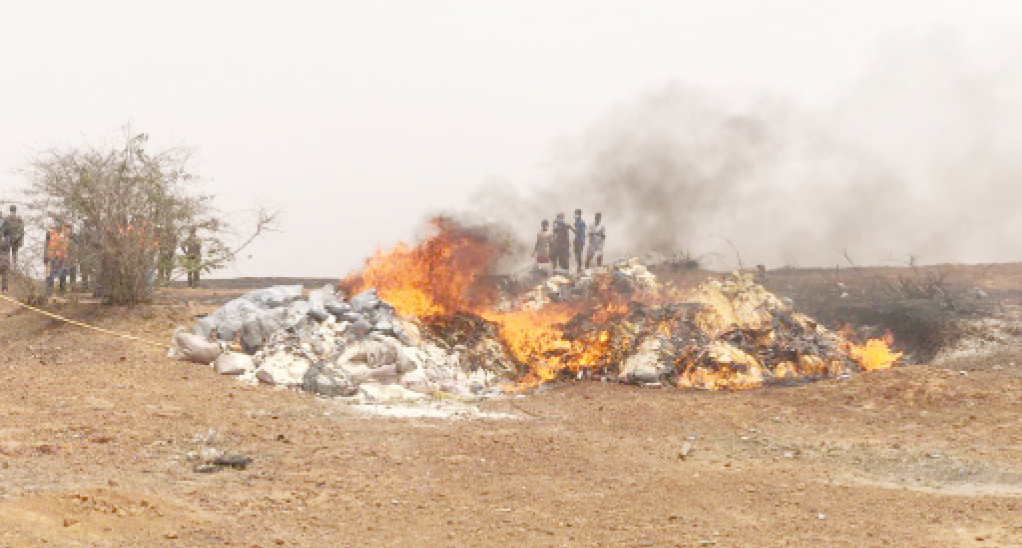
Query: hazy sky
360	118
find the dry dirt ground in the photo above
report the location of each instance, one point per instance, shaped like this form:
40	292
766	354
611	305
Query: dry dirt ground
96	436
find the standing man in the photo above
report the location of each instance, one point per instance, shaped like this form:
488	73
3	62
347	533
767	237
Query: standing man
87	254
14	230
561	244
57	255
192	247
542	250
580	238
167	239
597	235
5	256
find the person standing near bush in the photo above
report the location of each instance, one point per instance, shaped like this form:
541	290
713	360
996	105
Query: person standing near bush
14	231
57	255
5	256
192	248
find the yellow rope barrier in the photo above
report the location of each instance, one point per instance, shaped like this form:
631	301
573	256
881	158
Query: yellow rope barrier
80	324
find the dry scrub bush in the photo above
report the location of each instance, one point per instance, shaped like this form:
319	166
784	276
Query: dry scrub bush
131	208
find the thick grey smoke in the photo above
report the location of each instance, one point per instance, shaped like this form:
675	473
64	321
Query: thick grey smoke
921	157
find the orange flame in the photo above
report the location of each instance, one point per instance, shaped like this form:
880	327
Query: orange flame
440	276
434	277
875	354
534	338
443	275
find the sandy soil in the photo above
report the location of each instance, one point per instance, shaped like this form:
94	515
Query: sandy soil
99	438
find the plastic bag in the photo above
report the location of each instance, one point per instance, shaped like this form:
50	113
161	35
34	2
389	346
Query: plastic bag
228	319
233	364
257	329
273	297
365	301
318	298
192	348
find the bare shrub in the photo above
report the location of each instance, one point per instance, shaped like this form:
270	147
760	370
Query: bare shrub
130	207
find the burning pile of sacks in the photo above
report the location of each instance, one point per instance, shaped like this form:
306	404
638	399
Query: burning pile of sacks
732	333
626	278
321	343
727	333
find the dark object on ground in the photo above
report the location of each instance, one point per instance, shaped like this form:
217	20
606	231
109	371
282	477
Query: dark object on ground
238	462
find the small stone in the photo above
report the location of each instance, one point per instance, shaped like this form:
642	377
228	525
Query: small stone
686	450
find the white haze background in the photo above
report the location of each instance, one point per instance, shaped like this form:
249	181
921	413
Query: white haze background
795	129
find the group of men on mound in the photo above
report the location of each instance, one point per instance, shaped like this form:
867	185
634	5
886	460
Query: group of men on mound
553	247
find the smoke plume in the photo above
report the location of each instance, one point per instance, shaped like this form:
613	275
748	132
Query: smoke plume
920	157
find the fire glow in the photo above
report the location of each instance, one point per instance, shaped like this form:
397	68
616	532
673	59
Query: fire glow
740	326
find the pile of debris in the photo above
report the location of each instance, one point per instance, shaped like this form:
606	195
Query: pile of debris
327	345
624	279
728	333
617	322
739	335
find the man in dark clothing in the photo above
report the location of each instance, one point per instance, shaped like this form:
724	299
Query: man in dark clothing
597	236
580	238
560	243
5	257
167	253
14	231
192	247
